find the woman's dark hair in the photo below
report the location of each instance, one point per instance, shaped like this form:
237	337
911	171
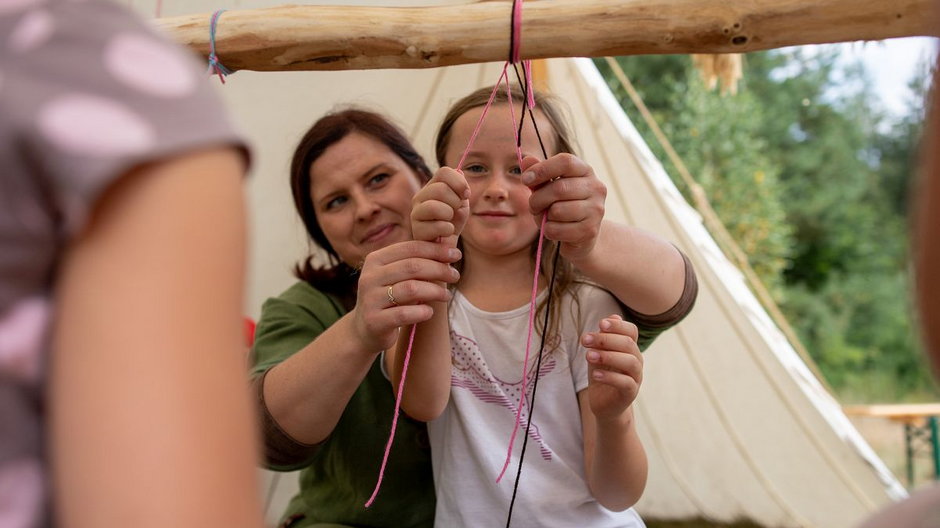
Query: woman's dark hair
337	277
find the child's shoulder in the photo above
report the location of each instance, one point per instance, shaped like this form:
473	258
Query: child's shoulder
584	288
585	293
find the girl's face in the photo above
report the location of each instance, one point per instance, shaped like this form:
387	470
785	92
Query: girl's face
361	192
500	222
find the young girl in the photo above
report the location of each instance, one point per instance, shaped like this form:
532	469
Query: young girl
585	465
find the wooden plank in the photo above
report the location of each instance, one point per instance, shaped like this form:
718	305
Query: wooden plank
903	412
358	37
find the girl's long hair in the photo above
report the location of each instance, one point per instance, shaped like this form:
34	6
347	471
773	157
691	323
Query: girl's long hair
559	137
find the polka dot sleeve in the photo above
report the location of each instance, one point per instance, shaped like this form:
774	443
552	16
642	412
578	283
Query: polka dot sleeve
87	92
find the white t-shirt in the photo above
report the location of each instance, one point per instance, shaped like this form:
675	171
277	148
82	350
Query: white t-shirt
470	439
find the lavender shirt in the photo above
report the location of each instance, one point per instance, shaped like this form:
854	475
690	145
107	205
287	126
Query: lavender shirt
87	92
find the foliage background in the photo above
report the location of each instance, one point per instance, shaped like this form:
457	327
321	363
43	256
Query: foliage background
812	178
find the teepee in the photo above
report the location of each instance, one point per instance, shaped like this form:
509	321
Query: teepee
736	425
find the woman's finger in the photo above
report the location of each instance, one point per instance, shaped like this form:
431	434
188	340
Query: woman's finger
558	166
410	292
417	249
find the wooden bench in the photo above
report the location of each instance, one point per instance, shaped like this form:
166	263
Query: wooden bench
920	422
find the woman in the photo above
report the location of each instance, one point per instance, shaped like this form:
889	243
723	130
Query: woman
326	406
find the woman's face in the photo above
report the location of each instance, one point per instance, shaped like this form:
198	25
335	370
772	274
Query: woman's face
361	192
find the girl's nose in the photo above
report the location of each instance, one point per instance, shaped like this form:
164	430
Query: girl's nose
496	188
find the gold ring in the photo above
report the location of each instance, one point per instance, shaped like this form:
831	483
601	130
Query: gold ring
391	298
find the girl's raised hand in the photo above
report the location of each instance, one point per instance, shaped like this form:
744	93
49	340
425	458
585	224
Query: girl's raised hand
615	367
440	209
567	189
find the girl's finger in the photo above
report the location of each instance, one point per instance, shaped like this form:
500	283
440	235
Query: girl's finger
623	383
615	324
432	210
629	364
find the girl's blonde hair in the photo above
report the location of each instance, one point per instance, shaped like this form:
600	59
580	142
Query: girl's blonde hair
559	137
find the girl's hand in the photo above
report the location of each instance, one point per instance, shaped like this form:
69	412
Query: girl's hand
615	367
440	209
395	286
567	189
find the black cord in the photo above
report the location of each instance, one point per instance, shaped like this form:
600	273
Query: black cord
525	97
512	32
548	303
535	385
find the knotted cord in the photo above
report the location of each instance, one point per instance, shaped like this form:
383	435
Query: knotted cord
529	98
215	65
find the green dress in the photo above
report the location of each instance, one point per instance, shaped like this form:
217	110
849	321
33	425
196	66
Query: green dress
339	474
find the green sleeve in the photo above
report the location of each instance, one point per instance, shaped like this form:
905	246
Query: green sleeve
290	322
651	326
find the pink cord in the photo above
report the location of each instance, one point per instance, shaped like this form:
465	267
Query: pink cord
535	289
391	436
528	346
486	108
516	28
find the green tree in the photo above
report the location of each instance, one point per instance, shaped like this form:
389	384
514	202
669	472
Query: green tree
720	142
810	176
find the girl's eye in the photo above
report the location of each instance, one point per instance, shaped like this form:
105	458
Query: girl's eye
335	202
474	169
515	171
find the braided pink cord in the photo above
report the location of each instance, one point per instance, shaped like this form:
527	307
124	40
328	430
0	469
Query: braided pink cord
530	101
391	436
516	31
528	346
411	338
486	108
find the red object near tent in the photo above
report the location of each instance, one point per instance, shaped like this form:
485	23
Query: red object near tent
249	331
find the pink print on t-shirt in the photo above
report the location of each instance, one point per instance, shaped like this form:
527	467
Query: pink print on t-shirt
469	371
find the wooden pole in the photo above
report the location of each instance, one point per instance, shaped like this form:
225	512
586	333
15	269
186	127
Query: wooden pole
355	37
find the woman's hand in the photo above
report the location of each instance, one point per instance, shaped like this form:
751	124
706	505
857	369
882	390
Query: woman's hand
566	188
440	209
615	368
395	286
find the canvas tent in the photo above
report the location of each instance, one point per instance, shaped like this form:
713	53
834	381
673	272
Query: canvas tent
735	424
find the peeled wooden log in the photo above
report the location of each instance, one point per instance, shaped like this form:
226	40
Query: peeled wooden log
356	37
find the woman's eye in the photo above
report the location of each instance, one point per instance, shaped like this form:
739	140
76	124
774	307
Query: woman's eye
335	202
379	179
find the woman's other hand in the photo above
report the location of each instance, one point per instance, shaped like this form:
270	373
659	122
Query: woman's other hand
566	189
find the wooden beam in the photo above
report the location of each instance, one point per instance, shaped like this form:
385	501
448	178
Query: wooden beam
356	37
